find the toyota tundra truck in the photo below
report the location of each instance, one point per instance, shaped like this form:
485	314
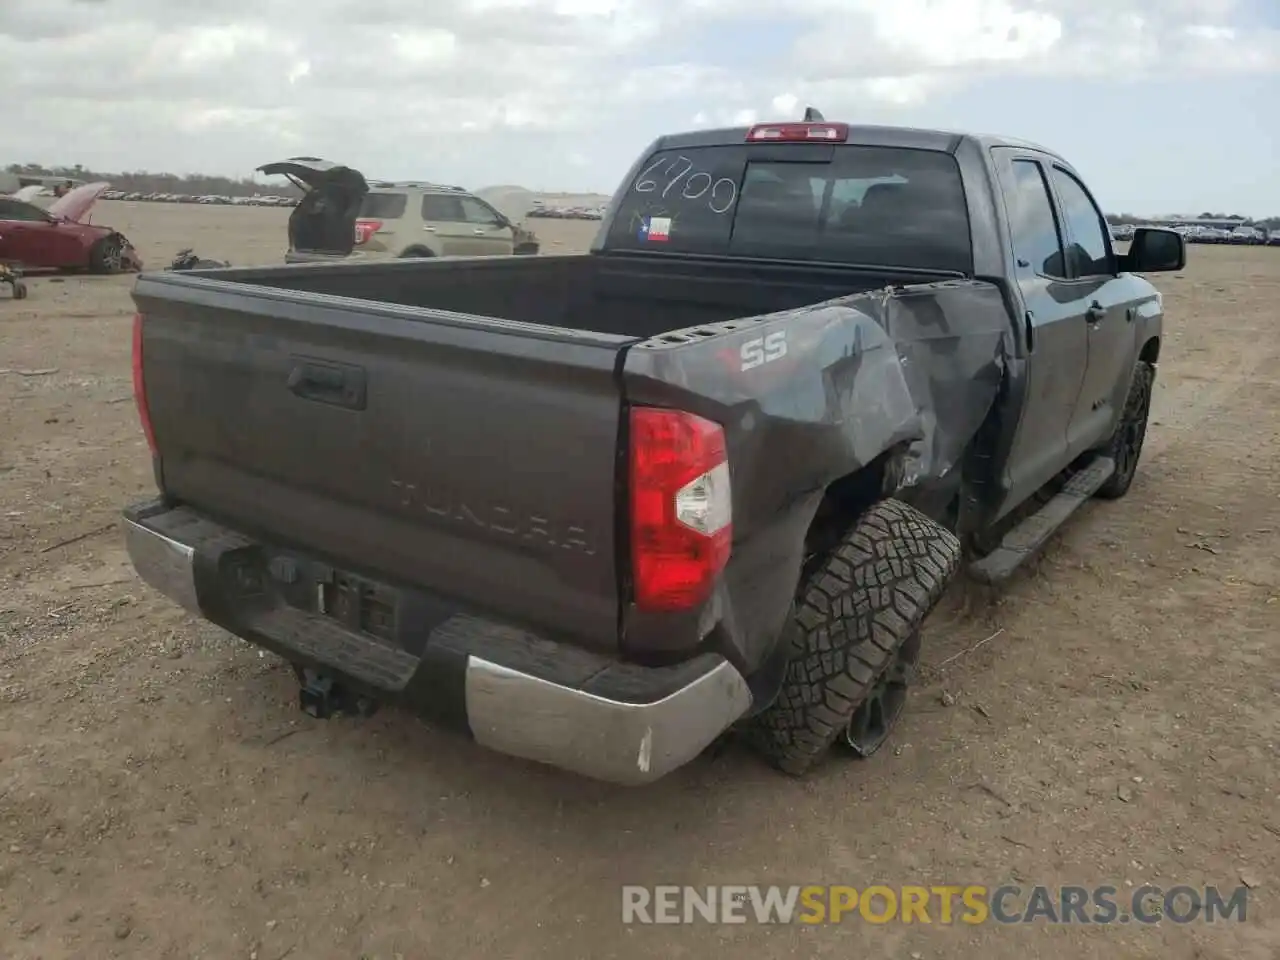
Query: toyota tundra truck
600	511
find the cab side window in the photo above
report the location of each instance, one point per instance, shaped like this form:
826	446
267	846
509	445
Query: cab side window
1089	253
1033	226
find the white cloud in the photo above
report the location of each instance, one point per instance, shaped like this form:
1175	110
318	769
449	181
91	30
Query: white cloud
404	86
784	104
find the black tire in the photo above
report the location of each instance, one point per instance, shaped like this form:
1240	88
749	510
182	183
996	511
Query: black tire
416	253
856	630
107	255
1125	445
526	250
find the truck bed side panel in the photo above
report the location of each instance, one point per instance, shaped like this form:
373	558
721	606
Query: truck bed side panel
914	370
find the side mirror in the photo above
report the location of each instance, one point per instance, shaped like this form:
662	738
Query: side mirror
1154	250
500	221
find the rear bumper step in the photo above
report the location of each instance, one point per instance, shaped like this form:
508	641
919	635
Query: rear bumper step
510	690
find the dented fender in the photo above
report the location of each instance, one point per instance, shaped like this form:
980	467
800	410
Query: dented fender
131	260
812	395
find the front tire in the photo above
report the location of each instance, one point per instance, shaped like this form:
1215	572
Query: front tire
857	637
1125	445
107	255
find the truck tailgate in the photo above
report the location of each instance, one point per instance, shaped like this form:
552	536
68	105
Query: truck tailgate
472	457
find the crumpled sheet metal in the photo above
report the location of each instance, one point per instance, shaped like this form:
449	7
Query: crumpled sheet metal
918	365
952	342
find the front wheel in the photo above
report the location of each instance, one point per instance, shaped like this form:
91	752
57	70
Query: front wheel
857	637
107	255
1125	445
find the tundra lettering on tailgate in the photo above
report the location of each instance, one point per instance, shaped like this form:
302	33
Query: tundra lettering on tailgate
532	529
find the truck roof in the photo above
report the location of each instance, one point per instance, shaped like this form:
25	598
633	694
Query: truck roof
867	135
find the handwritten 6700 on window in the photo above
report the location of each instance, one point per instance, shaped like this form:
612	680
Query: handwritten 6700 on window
677	177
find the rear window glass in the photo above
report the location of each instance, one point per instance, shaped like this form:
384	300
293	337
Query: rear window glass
383	206
879	206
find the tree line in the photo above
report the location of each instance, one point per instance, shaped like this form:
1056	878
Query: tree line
201	184
1267	223
144	181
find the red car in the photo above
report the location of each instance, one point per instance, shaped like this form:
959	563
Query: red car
61	238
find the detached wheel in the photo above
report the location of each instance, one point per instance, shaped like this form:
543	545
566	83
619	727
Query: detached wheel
19	290
107	255
1125	446
857	638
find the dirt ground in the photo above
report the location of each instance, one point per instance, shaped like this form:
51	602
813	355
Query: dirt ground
162	796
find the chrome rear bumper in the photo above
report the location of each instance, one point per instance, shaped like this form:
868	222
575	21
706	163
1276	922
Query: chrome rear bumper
662	723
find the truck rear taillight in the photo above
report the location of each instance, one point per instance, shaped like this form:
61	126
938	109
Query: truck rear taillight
799	132
365	229
681	508
140	385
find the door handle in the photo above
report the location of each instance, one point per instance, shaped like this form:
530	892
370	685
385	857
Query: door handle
478	232
429	229
339	384
1096	312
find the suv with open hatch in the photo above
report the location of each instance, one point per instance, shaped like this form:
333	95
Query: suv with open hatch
342	215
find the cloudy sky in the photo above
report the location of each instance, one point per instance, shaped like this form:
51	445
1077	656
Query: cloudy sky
1160	103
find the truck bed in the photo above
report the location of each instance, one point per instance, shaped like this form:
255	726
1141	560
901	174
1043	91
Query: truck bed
637	297
458	426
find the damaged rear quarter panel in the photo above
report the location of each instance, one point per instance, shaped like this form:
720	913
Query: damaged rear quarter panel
915	367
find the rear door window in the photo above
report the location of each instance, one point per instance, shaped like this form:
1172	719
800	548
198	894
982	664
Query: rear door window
1033	226
383	206
876	206
442	208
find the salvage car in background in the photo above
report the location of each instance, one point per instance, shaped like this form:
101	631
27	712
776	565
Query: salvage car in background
414	219
61	237
344	216
323	225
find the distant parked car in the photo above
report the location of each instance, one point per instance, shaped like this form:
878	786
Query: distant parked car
414	219
1250	235
61	238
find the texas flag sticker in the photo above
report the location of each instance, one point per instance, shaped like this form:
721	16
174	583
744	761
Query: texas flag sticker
656	229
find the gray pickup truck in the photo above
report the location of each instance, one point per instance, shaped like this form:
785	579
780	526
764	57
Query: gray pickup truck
598	511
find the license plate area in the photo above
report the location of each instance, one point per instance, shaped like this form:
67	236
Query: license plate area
359	605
